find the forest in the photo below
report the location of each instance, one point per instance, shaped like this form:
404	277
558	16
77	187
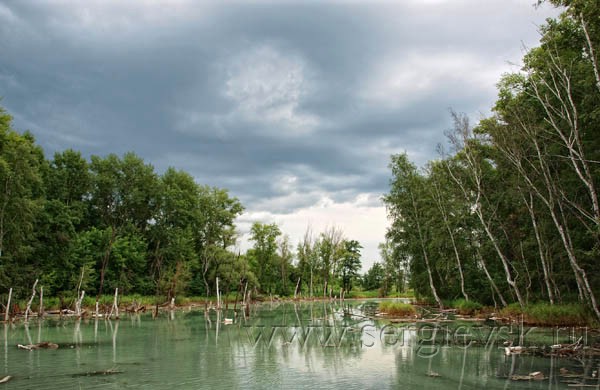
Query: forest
113	222
509	212
507	215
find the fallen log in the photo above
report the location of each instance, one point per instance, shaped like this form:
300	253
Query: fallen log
42	345
5	379
534	376
110	371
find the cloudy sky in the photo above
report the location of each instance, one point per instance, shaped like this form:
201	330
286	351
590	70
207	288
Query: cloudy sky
294	106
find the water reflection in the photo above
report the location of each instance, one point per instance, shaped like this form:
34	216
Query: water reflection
325	344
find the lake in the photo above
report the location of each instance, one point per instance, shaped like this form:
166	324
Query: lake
305	345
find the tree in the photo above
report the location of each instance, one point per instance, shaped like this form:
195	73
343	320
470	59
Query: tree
395	265
407	205
21	197
67	184
329	251
307	260
263	255
373	279
350	263
124	194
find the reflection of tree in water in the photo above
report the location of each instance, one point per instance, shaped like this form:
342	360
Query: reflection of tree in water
301	343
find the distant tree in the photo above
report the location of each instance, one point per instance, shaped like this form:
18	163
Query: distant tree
263	255
21	200
373	279
350	263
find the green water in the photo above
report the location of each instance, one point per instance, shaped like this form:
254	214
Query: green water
299	346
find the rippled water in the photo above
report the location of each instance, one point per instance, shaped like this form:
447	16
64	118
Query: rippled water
302	346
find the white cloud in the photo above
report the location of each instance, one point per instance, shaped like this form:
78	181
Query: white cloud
363	219
408	78
99	19
268	86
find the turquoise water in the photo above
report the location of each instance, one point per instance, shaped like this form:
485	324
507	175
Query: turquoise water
300	346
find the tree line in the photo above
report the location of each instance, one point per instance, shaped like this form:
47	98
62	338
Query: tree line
509	213
113	222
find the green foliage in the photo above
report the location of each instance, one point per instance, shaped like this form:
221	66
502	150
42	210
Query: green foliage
350	263
466	307
110	222
398	309
373	279
263	256
544	314
511	212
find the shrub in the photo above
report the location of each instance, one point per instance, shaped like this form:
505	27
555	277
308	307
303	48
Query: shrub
544	314
557	315
466	307
397	309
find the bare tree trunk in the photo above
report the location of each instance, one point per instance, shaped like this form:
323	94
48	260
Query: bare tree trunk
489	277
311	280
115	305
563	118
7	314
296	290
538	238
218	296
425	256
41	308
205	266
461	138
438	200
245	289
30	300
555	207
78	303
591	51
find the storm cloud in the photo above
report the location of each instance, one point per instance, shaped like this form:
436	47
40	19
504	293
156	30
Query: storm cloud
295	107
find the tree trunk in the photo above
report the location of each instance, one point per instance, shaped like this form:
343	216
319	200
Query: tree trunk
30	300
7	314
492	283
105	260
438	199
425	256
538	238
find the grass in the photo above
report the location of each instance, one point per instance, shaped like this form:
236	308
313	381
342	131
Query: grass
377	294
465	307
544	314
397	309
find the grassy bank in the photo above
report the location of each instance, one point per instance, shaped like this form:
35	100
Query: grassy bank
465	307
397	309
544	314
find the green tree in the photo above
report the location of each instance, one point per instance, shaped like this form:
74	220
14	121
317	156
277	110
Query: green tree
373	279
21	198
263	255
350	263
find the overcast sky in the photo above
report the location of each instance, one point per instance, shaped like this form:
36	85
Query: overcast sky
294	106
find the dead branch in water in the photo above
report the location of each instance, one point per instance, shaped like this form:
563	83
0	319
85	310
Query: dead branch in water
42	345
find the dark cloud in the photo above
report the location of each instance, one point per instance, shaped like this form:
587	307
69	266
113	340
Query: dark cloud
282	103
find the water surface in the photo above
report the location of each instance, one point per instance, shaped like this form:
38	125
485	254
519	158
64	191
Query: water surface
302	346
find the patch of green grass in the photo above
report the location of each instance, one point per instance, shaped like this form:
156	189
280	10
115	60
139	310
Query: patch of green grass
465	307
399	309
362	294
545	314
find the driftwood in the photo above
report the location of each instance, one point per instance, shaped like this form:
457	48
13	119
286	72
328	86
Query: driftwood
534	376
110	371
42	345
5	379
135	308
